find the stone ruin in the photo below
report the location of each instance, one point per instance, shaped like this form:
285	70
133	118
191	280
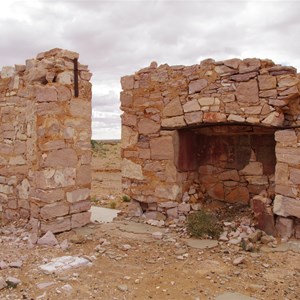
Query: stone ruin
219	131
45	134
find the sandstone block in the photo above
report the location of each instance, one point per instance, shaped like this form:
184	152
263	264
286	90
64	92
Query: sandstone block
173	122
235	118
129	119
131	170
51	211
127	82
80	219
214	117
147	126
281	173
287	81
78	195
263	214
49	196
286	137
190	106
84	175
238	195
167	192
61	158
229	175
80	108
275	119
247	92
173	108
267	82
193	117
206	101
162	148
126	98
217	191
80	206
129	137
58	225
172	213
53	145
65	78
197	85
286	190
7	72
284	227
253	168
286	206
291	156
46	94
184	208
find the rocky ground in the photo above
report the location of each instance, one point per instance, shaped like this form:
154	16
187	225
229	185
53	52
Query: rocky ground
129	259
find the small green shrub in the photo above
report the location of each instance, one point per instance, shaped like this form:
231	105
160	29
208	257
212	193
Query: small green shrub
126	198
201	224
113	204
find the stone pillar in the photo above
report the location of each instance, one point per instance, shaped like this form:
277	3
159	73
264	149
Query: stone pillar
52	152
287	180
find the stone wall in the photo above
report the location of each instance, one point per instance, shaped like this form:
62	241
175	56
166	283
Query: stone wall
45	134
168	110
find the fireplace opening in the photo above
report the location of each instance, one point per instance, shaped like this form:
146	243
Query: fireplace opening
229	163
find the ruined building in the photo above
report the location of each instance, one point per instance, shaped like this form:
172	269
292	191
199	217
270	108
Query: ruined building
226	131
45	133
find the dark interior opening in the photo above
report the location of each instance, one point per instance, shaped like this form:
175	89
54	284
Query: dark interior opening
232	163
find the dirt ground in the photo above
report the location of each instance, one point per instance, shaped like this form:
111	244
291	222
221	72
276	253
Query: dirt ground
137	261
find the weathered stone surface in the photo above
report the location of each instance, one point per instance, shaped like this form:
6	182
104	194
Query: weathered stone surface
173	122
173	108
162	148
267	82
238	195
197	85
253	168
247	92
46	94
84	175
275	119
190	106
214	117
78	195
48	239
129	137
61	158
286	137
132	170
146	126
54	210
60	224
127	82
204	101
284	227
285	206
80	219
193	117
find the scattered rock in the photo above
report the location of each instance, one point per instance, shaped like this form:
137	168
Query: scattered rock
3	265
12	281
3	283
237	261
123	287
157	235
16	264
64	263
44	285
64	245
48	239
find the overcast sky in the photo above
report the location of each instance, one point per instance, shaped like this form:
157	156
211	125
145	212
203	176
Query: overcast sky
117	38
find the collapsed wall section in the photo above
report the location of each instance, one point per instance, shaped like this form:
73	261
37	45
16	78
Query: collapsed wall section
45	133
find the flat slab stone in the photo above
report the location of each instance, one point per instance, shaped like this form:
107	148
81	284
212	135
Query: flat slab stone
292	245
134	227
233	296
63	263
102	214
201	244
